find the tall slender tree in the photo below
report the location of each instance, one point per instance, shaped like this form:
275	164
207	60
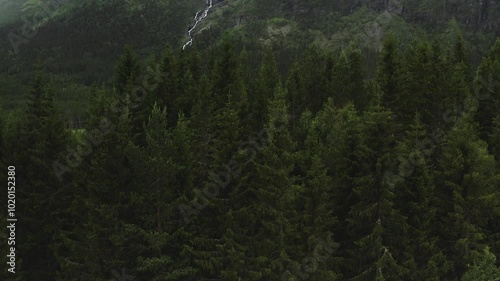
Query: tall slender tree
375	226
469	182
37	141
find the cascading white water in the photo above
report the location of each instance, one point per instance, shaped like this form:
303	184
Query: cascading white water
197	20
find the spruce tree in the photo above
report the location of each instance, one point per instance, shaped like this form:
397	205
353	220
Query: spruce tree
296	94
318	221
413	180
484	269
312	68
131	95
34	143
105	180
376	228
468	183
348	80
156	198
338	132
267	78
487	85
167	92
262	197
389	74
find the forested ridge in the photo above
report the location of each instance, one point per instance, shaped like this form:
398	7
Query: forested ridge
204	168
293	140
78	41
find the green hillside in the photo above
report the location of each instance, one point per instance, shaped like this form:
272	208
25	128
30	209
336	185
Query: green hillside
80	40
345	140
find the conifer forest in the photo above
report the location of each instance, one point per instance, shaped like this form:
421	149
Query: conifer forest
288	147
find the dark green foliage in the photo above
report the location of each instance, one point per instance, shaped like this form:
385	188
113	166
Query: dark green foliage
376	228
348	80
33	142
469	180
389	74
483	270
487	85
266	82
414	182
221	172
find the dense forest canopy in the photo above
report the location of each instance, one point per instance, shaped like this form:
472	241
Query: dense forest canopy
314	140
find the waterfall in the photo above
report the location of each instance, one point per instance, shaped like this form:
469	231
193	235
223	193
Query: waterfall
197	20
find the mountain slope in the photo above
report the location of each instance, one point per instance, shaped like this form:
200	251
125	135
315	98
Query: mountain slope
79	40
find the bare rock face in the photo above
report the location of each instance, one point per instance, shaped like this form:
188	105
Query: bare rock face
395	6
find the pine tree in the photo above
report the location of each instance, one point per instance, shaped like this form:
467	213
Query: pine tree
376	228
167	92
34	143
494	139
156	198
219	130
460	55
415	199
131	95
415	82
265	85
483	270
105	182
486	90
389	74
348	80
296	94
261	198
468	181
312	68
335	134
318	220
127	72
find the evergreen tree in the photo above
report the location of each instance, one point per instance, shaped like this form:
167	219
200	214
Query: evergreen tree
376	228
416	83
336	133
312	68
483	270
131	95
106	183
389	74
487	87
468	181
262	197
167	92
127	72
162	183
494	139
296	94
265	85
415	199
318	220
348	80
34	143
